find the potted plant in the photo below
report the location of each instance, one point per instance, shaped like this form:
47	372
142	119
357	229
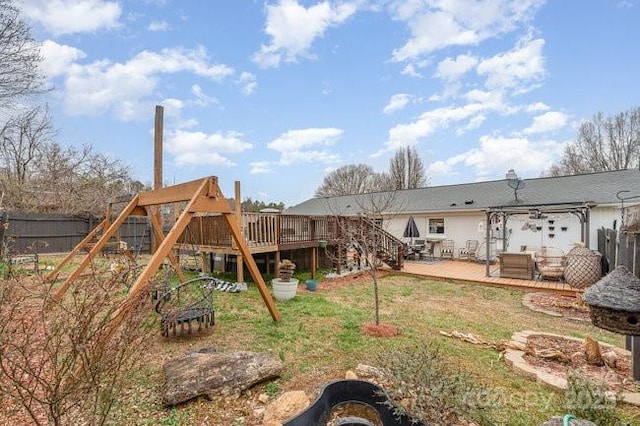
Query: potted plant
285	286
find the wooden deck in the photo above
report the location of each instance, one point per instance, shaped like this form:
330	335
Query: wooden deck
475	273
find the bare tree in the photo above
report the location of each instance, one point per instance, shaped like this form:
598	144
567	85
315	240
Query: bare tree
80	181
406	170
19	56
364	237
349	179
22	140
603	143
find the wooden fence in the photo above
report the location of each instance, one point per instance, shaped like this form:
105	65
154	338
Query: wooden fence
56	233
624	253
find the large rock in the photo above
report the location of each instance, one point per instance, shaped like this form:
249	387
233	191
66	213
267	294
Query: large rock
210	374
287	405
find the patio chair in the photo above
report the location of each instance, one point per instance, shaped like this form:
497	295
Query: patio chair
550	263
187	303
427	251
446	249
469	250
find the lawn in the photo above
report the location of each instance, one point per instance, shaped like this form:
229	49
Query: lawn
320	338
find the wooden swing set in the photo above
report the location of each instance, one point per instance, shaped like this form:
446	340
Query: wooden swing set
202	196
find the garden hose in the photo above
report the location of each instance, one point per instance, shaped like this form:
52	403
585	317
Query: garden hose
567	419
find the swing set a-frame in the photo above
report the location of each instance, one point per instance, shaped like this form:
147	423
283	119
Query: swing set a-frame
202	196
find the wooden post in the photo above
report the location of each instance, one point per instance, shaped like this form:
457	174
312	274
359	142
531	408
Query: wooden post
314	262
238	208
157	165
253	268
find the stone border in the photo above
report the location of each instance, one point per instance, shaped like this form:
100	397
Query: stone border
526	301
515	358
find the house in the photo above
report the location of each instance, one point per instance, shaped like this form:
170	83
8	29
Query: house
508	214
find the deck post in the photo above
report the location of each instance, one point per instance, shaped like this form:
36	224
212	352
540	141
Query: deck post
488	244
314	262
238	205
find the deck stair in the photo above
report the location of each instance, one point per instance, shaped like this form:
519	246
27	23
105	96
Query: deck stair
389	249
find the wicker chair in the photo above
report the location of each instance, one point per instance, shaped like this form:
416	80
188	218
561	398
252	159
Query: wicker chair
469	250
446	249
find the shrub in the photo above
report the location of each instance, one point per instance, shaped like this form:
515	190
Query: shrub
429	391
61	361
589	399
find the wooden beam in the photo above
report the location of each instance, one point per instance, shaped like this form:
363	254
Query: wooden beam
53	274
157	147
314	262
96	248
206	204
251	264
174	194
238	209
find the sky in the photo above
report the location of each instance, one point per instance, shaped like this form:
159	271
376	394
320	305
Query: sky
278	93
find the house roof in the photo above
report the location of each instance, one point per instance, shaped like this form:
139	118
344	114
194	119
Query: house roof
596	188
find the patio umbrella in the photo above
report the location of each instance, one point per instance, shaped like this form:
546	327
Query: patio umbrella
411	230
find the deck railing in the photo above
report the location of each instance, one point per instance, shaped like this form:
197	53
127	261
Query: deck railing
266	229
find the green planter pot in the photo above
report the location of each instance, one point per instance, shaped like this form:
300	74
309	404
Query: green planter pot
311	285
322	244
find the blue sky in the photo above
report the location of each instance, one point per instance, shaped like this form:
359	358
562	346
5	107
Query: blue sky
278	93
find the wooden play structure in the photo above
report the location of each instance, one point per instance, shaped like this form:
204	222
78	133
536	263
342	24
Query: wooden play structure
202	196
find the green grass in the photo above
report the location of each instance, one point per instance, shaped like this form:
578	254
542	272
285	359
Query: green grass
320	337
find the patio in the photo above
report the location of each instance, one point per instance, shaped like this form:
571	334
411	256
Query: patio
472	272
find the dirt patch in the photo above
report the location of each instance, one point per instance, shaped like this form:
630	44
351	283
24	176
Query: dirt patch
380	330
348	279
557	305
616	378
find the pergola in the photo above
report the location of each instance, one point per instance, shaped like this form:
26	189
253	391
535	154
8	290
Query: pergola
580	210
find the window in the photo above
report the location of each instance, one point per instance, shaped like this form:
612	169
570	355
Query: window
436	226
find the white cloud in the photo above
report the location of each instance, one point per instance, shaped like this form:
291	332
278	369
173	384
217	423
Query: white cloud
202	99
537	107
516	68
397	102
158	26
436	25
430	121
248	83
547	122
199	148
126	88
495	154
452	69
56	58
260	167
73	16
293	29
301	145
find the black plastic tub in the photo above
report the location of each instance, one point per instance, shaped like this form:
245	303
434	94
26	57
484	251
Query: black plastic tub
341	392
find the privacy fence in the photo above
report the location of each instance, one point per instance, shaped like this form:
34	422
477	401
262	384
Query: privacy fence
625	253
56	233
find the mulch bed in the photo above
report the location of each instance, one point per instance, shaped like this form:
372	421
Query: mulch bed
564	306
618	378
